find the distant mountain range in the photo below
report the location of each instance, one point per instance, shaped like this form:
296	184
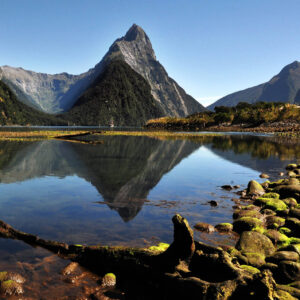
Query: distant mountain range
157	95
284	87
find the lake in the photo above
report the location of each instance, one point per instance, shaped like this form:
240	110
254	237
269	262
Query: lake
124	191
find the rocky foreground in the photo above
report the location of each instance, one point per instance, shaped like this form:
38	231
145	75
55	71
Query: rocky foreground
264	264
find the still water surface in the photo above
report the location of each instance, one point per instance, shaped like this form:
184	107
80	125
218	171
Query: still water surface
125	190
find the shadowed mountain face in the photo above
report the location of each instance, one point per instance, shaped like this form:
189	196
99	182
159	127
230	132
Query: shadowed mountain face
123	169
58	93
281	88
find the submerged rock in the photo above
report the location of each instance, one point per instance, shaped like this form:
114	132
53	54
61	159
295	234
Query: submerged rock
264	175
204	227
224	227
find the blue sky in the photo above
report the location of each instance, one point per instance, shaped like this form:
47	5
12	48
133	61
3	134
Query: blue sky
210	47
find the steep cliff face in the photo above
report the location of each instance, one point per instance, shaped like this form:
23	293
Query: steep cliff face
283	87
136	50
58	93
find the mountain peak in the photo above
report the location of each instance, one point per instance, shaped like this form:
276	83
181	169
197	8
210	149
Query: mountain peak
135	32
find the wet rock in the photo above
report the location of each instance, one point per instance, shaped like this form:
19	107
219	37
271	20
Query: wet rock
236	186
268	212
254	242
264	175
283	255
10	287
227	187
270	266
246	224
70	268
281	174
213	203
290	270
224	227
254	213
109	280
254	188
204	227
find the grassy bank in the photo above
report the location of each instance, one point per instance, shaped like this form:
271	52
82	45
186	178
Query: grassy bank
261	116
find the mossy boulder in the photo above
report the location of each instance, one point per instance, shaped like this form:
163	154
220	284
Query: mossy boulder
255	188
285	230
250	269
290	202
268	212
255	242
11	287
246	224
272	220
254	213
109	280
271	195
283	255
271	203
255	259
224	227
276	237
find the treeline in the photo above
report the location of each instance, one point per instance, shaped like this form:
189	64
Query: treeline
243	114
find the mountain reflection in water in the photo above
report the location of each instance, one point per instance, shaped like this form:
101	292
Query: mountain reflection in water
126	171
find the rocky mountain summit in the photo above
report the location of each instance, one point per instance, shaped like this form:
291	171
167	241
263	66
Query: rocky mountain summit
283	87
58	93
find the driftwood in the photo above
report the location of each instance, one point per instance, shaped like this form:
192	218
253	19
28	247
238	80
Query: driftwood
186	270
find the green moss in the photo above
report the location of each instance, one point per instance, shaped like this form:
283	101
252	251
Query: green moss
271	203
285	230
7	284
271	195
294	240
160	247
112	275
259	229
250	269
78	245
3	275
